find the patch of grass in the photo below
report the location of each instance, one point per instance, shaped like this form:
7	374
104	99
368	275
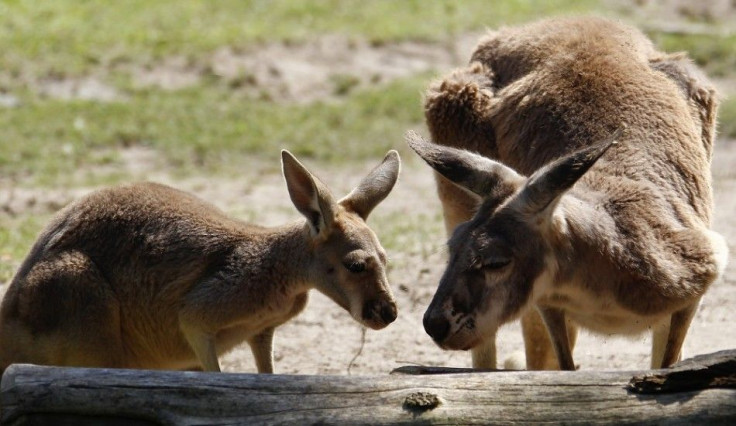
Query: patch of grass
17	234
401	233
202	129
408	235
727	119
207	128
344	84
716	54
70	37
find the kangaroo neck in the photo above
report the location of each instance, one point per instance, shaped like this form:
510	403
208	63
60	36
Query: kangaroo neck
283	253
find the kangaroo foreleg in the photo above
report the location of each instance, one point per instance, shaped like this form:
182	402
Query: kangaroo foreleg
540	353
668	340
261	346
554	320
484	355
203	345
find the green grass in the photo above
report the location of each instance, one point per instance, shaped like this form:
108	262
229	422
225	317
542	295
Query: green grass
17	234
727	118
716	54
201	129
70	36
411	234
207	127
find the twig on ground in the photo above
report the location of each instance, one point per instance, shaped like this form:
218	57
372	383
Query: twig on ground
360	350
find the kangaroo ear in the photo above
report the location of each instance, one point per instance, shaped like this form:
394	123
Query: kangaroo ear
375	187
475	173
310	196
545	187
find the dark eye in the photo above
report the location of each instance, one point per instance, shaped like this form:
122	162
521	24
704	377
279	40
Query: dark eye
495	263
355	267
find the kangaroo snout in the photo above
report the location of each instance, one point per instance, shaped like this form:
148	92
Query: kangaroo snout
379	313
437	326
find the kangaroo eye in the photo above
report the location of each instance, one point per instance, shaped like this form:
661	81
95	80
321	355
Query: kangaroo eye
495	263
355	267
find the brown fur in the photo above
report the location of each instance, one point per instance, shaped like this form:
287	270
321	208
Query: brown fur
146	276
634	231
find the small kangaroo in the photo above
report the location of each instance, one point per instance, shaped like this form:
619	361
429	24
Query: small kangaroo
147	276
541	228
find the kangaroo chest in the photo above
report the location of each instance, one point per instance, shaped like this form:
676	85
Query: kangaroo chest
248	326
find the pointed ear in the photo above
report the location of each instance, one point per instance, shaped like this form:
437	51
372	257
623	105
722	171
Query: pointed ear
548	184
478	174
375	187
310	196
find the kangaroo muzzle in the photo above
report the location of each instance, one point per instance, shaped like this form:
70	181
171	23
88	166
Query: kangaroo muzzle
436	325
379	313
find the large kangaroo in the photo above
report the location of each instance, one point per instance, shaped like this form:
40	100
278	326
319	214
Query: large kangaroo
146	276
625	249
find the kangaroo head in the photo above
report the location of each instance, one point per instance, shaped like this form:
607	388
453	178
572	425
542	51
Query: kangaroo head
496	257
349	264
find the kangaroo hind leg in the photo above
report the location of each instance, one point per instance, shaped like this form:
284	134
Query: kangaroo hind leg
62	312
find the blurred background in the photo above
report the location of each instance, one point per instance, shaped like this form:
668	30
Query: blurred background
204	94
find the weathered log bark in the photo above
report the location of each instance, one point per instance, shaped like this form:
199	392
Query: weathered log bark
50	395
716	370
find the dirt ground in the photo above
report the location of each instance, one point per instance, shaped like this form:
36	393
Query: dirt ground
324	339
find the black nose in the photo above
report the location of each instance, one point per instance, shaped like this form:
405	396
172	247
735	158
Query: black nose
436	326
388	312
379	310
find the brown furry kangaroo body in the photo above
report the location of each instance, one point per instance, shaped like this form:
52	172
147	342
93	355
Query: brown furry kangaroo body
146	276
626	249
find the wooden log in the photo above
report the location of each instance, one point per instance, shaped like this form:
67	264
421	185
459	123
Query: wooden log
33	395
700	372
